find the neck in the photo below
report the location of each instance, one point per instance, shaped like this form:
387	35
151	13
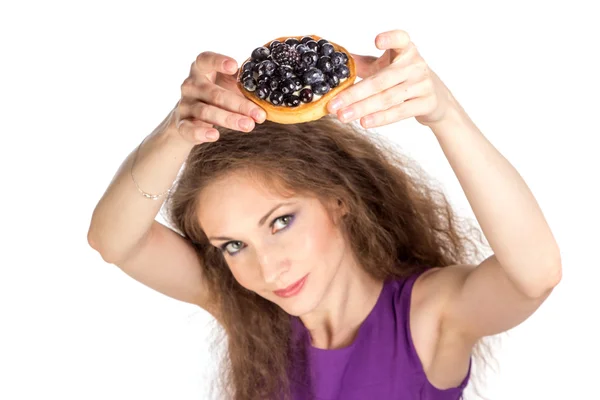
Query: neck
348	301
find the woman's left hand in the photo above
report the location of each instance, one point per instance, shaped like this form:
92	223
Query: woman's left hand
395	86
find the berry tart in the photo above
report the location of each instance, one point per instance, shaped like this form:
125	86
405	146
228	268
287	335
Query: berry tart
293	78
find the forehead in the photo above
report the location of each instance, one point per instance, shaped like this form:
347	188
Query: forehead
237	198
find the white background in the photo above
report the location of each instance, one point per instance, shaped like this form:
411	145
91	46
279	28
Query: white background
82	83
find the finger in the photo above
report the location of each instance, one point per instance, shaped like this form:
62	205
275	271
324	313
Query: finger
209	93
382	101
409	108
217	116
196	131
209	61
397	40
372	85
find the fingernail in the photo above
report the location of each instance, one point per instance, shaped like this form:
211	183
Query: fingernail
245	124
335	104
229	66
347	114
258	115
212	135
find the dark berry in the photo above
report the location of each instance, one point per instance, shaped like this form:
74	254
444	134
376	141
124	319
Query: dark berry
285	55
326	49
324	64
342	71
306	39
288	86
292	100
267	67
310	58
285	71
301	49
273	44
298	82
276	97
274	83
260	53
312	75
321	87
248	66
246	75
332	79
249	84
306	95
337	58
301	68
321	42
311	44
263	91
263	80
292	41
345	56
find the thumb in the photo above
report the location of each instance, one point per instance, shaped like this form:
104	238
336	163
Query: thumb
365	65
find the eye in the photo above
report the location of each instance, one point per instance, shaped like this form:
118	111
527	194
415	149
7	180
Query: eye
234	247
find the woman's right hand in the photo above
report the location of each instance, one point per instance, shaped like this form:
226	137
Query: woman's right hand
210	96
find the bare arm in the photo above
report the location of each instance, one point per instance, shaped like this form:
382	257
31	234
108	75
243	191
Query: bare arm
123	228
123	217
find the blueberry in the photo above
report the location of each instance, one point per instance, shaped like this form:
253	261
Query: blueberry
332	79
345	56
312	75
301	68
311	44
306	95
292	100
321	87
301	49
246	75
298	83
306	39
263	80
342	71
326	49
248	66
285	71
288	86
310	58
321	42
276	97
273	44
249	84
337	58
292	41
260	53
324	64
263	91
267	67
274	83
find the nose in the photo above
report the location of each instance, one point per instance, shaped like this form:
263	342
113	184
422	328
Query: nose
273	265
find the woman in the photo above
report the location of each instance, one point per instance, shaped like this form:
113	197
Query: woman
333	266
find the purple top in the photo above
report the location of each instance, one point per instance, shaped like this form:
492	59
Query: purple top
381	363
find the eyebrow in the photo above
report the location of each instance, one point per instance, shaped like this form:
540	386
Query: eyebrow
261	222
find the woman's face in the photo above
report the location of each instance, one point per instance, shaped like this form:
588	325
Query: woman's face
271	242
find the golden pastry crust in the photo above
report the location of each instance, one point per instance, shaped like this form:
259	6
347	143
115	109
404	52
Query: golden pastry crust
305	112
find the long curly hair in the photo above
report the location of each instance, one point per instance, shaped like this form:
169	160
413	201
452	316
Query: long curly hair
398	222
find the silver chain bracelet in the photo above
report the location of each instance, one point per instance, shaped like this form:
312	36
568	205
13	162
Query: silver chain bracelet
145	194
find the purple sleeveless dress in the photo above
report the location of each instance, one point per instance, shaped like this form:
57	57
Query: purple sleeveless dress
380	364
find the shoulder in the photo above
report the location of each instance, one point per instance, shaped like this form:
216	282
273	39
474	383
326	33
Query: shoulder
445	357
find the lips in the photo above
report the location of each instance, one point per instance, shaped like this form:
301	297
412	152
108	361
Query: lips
291	290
